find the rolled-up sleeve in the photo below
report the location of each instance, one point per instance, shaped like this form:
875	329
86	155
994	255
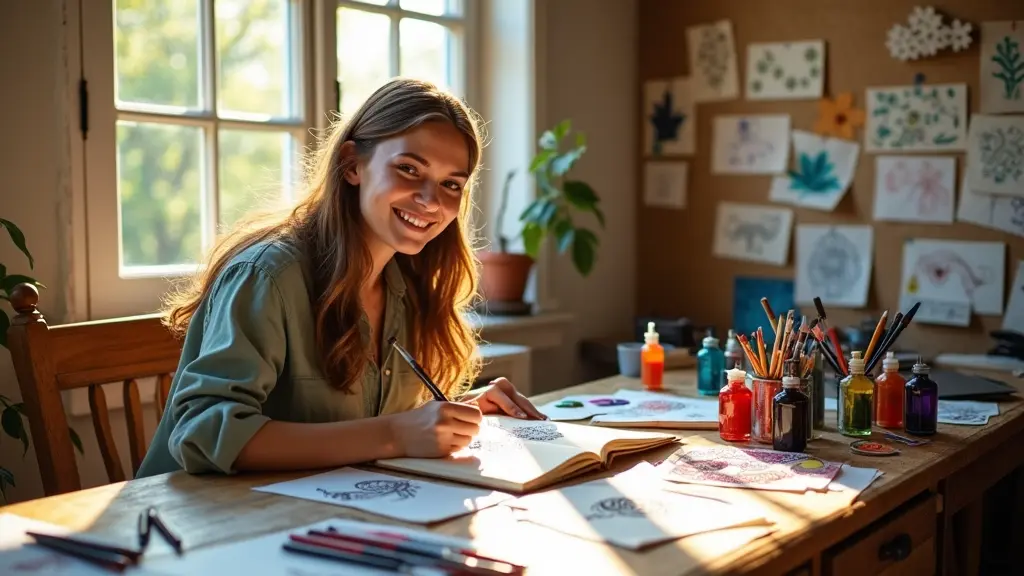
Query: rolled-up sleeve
217	404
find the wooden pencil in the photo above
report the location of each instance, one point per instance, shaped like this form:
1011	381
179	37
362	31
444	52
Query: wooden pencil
775	348
879	329
768	311
760	349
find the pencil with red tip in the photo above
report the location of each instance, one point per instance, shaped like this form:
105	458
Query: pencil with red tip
897	330
832	335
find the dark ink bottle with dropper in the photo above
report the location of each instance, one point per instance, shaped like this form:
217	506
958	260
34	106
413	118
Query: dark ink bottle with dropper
791	413
921	402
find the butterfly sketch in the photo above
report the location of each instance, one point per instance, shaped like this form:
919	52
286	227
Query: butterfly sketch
919	186
623	507
835	265
941	266
373	489
754	234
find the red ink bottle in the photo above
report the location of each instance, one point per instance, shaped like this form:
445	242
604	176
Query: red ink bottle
889	394
734	407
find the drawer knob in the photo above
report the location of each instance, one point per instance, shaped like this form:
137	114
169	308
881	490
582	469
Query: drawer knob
896	549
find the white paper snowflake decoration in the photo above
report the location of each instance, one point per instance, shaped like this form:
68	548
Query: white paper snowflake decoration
926	35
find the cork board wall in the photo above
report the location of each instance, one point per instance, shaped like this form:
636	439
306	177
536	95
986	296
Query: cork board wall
677	273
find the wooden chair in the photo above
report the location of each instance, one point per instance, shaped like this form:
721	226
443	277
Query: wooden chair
51	359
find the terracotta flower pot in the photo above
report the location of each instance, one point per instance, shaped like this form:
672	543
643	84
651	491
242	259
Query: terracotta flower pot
503	276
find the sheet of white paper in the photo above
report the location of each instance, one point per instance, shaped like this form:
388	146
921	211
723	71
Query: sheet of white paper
966	412
833	263
854	479
1005	213
823	173
786	70
411	500
1014	317
952	278
753	232
1001	68
756	144
631	510
670	121
713	66
915	188
665	184
564	413
924	117
995	156
265	555
652	406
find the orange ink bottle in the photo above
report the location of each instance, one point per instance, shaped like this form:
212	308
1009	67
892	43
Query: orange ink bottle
889	393
652	360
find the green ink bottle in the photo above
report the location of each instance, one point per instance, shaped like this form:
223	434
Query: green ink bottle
856	400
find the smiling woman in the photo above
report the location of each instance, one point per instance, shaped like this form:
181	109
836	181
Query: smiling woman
284	364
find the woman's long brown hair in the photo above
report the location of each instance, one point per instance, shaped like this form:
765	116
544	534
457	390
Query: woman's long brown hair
328	226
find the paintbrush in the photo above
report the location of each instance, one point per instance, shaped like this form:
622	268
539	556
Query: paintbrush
776	344
768	311
896	334
837	348
819	337
879	329
760	351
890	330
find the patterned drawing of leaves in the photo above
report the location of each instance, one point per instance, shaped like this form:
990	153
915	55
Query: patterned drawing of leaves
815	175
943	139
666	121
1011	67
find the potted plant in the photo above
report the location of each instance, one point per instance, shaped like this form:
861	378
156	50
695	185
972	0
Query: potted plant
11	412
504	273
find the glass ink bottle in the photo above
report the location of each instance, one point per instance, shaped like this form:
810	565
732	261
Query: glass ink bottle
921	402
890	391
734	407
734	357
652	360
856	399
710	365
791	414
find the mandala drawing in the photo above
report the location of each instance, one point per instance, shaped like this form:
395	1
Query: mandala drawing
834	266
748	147
372	489
713	54
754	234
1002	154
939	266
622	507
543	432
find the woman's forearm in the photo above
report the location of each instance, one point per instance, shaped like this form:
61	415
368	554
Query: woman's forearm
301	446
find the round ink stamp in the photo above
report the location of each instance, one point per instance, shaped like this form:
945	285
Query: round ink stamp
609	401
872	448
569	404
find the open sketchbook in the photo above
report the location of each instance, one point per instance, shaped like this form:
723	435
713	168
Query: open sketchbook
522	455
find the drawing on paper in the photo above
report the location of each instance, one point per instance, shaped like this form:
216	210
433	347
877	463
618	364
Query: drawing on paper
747	147
1001	72
940	266
754	233
816	175
665	121
838	118
1009	67
665	184
714	55
926	35
919	117
623	507
540	432
738	466
1004	213
785	70
1002	153
835	266
963	414
920	187
372	489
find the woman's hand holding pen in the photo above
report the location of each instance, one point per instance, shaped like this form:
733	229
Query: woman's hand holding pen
501	397
435	429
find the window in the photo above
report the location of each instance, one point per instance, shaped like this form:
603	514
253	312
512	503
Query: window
198	110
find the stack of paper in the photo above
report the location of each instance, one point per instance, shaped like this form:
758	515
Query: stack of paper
637	409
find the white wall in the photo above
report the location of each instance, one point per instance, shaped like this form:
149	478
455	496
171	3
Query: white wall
589	74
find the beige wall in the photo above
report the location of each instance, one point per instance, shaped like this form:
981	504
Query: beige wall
590	76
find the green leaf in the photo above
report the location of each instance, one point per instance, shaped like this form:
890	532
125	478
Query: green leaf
580	194
583	251
5	323
581	140
9	282
548	141
14	426
18	237
562	164
600	216
562	128
565	234
532	236
541	159
532	210
76	440
547	213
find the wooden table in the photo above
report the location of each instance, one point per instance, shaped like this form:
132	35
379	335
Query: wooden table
927	500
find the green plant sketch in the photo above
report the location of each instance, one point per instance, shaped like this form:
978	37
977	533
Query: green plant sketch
777	70
816	175
1011	67
1002	154
917	117
666	122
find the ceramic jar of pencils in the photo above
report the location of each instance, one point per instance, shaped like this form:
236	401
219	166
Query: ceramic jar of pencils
765	390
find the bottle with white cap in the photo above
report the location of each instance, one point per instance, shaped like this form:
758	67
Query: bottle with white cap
856	400
652	360
791	414
921	402
734	408
889	393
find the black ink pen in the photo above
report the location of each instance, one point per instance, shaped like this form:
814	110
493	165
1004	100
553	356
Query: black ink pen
438	395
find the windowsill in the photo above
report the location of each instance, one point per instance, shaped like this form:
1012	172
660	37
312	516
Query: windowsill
537	331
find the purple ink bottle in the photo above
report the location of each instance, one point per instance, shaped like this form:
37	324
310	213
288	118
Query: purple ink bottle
921	402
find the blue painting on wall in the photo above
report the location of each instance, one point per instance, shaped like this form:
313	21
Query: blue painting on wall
747	313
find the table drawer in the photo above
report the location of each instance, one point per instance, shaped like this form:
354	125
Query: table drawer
904	544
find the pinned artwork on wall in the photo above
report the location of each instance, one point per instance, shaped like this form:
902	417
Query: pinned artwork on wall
1005	213
756	144
665	184
838	118
915	188
834	263
951	279
786	70
713	64
669	117
926	34
753	233
823	172
1014	317
1002	67
995	157
925	117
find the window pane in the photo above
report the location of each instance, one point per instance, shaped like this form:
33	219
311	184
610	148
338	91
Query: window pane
424	51
157	52
433	7
255	172
255	55
159	185
363	55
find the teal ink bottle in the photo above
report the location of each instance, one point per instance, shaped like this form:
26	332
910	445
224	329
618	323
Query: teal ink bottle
791	416
921	402
710	367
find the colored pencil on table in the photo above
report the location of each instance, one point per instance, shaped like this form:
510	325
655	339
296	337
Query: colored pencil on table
760	349
768	311
879	329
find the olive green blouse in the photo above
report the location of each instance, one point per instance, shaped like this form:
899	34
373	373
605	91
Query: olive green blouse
250	356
